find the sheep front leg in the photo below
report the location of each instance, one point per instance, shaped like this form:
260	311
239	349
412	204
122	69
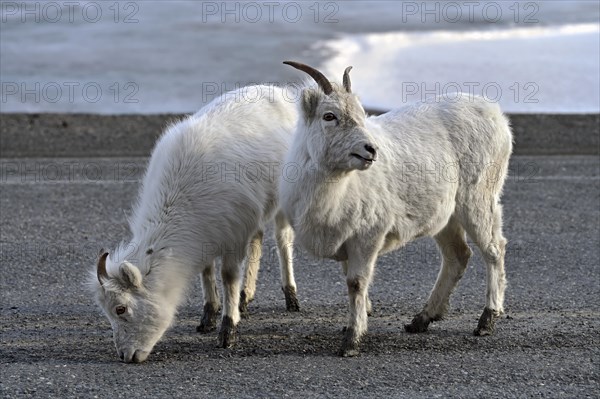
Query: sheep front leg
358	278
369	304
285	246
231	276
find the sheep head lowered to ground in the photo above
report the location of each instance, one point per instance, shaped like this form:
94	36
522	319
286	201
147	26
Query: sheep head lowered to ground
368	185
138	316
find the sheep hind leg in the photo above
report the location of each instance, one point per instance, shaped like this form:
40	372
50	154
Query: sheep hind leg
455	257
230	274
488	236
284	235
211	300
252	266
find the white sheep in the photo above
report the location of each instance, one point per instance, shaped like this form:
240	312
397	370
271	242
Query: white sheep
210	187
368	185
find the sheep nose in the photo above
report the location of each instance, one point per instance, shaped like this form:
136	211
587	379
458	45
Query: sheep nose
371	150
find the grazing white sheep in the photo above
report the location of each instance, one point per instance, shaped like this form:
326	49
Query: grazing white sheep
210	187
369	185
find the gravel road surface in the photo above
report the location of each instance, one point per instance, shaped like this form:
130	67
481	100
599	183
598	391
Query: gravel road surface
56	213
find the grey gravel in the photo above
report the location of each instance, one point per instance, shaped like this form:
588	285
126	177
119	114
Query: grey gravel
55	343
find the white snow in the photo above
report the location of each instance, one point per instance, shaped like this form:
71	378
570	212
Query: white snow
539	69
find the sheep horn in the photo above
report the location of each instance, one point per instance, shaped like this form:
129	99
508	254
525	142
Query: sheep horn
346	80
101	269
323	82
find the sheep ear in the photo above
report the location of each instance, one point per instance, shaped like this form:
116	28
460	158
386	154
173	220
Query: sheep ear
131	275
346	80
310	101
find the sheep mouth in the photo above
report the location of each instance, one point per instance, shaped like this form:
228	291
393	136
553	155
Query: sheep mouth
137	356
368	161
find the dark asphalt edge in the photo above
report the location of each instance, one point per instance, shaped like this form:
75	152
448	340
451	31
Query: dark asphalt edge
32	135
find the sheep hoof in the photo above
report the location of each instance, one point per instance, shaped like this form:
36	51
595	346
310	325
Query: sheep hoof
349	352
418	324
291	300
369	307
209	319
243	306
486	323
228	333
350	344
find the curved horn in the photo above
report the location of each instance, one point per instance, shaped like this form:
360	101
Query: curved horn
322	81
101	269
346	80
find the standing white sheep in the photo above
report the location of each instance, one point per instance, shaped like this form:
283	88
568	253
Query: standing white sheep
370	185
210	187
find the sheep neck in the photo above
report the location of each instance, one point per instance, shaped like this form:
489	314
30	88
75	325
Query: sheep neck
324	209
166	263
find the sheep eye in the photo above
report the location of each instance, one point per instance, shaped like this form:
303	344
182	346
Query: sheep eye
329	116
120	309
